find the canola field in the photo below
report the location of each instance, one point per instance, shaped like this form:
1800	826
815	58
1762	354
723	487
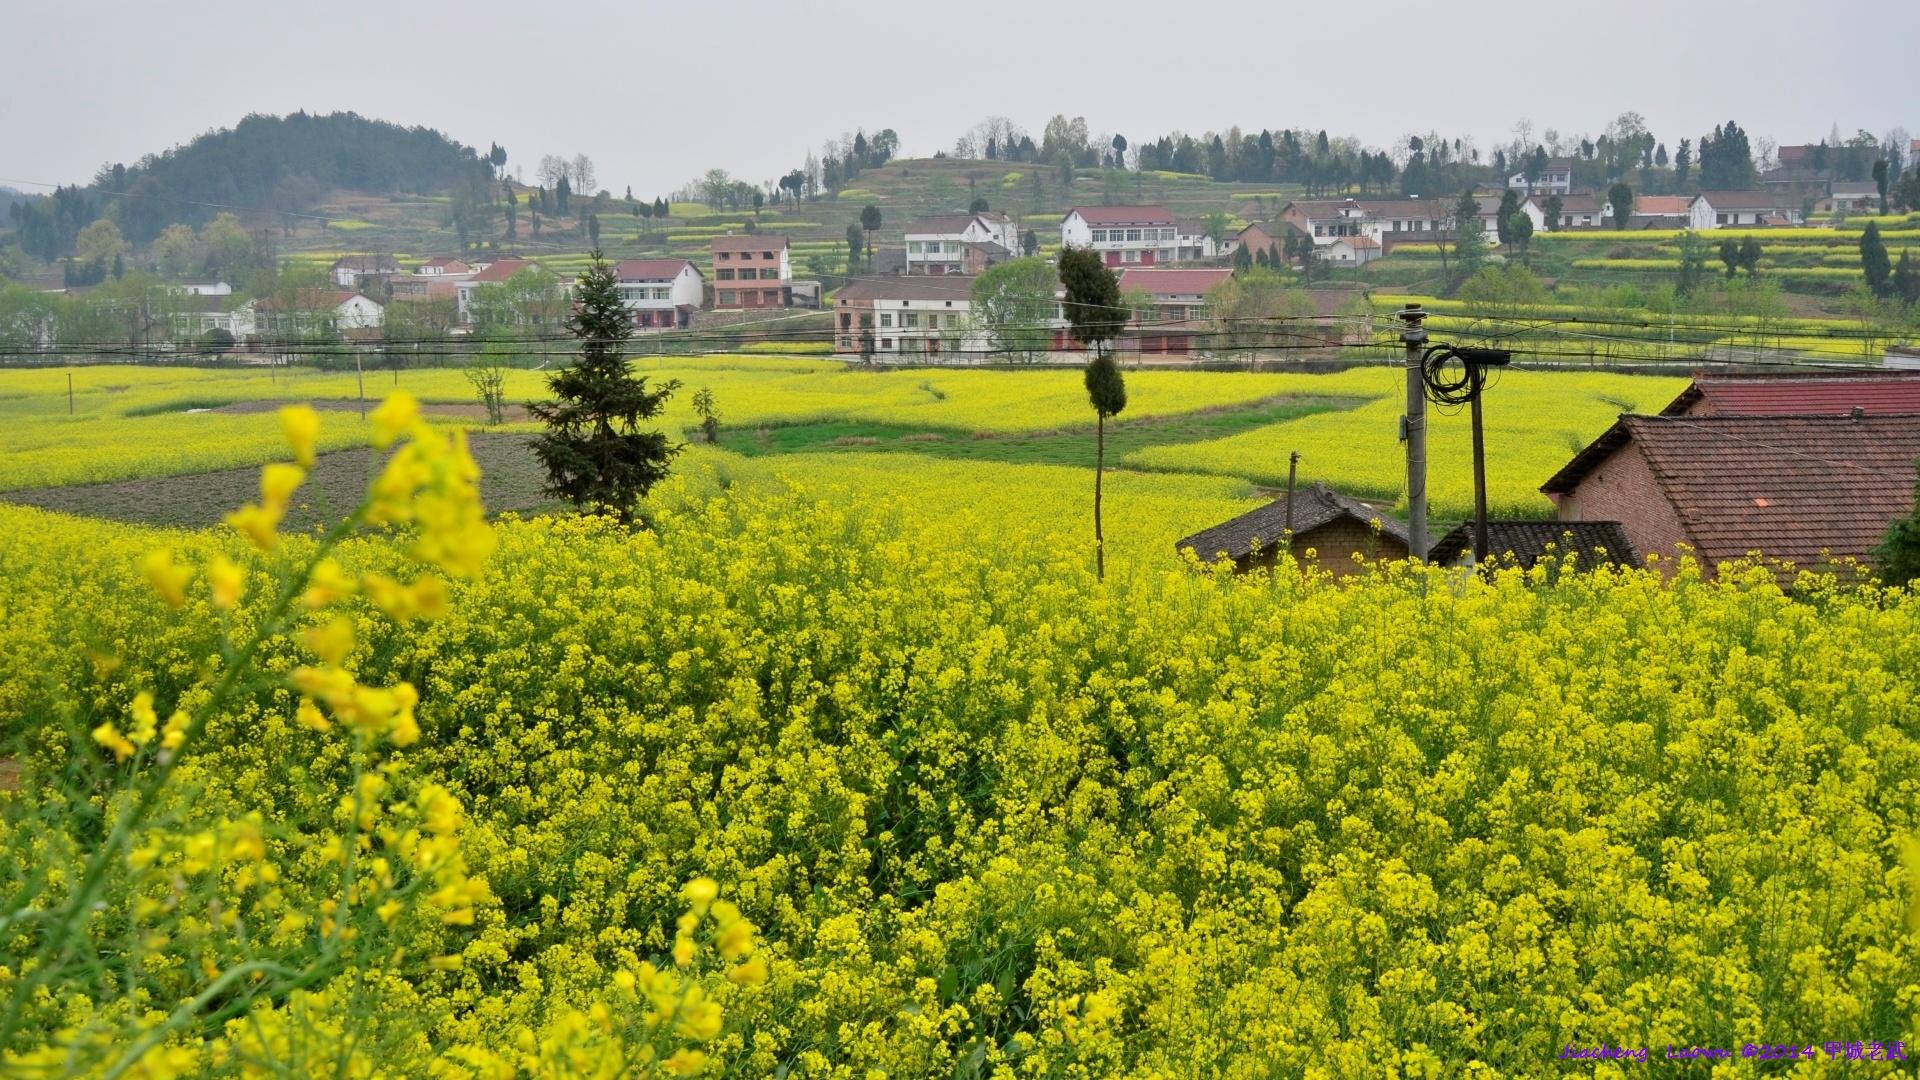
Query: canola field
131	423
844	770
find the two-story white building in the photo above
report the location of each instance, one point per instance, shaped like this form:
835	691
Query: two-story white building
924	316
661	293
492	273
1124	235
360	271
959	243
1734	209
1555	179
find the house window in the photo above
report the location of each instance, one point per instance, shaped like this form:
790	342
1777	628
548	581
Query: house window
1099	236
1133	234
767	255
723	275
914	247
886	319
846	343
769	274
886	343
729	299
724	256
909	318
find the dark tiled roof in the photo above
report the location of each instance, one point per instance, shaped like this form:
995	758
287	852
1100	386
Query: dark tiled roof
651	269
1789	487
945	225
1743	200
1314	506
1797	393
368	264
1124	215
1594	542
917	287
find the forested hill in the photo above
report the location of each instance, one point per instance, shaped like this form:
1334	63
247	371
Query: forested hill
283	163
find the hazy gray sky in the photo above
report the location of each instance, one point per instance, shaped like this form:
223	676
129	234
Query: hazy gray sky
657	92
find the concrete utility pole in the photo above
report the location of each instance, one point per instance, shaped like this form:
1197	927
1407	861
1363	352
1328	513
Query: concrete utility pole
1415	423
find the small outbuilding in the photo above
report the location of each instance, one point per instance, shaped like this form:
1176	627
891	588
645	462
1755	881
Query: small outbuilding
1524	543
1331	526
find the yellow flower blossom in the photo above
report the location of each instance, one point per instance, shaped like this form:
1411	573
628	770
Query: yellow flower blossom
167	578
684	1062
144	720
394	417
331	641
258	524
302	428
109	736
227	581
327	583
278	482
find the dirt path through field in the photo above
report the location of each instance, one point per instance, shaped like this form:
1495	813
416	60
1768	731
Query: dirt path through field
512	414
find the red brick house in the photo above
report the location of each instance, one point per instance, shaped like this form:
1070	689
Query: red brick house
754	270
1797	488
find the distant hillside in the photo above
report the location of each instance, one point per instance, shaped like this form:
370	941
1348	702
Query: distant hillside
283	163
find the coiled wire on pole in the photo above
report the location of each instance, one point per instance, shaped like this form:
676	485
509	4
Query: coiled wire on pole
1454	375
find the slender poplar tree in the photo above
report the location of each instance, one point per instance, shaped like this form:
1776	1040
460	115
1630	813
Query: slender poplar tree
1094	311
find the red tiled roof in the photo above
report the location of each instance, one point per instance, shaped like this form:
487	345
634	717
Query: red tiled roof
1823	394
1660	204
1742	200
1165	282
445	260
502	270
1124	215
1789	487
750	242
651	269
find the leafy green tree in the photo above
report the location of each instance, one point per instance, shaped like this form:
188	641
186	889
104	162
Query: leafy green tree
1242	259
1029	243
1880	180
1503	224
1107	391
101	241
1015	303
1248	311
1874	260
1693	262
1469	243
594	451
856	239
562	195
1906	279
1682	164
703	407
1730	255
870	221
175	252
978	206
1523	232
1750	255
1555	211
1216	224
661	211
1620	196
593	230
1897	556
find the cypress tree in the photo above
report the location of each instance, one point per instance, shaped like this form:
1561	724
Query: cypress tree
595	454
1873	260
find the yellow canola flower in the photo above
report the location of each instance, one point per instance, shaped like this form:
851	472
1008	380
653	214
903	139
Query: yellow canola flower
326	582
685	1062
246	843
167	579
332	642
425	598
278	482
700	892
751	973
144	720
175	732
439	809
302	428
394	417
227	581
109	736
310	716
257	523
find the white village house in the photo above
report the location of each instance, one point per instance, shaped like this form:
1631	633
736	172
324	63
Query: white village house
661	293
1124	235
914	316
1732	209
960	243
1555	179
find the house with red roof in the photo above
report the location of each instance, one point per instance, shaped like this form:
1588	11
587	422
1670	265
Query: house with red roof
1799	393
661	293
1180	294
1804	489
1124	235
491	274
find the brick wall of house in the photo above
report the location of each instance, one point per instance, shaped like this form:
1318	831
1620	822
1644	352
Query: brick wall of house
1334	545
1624	489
